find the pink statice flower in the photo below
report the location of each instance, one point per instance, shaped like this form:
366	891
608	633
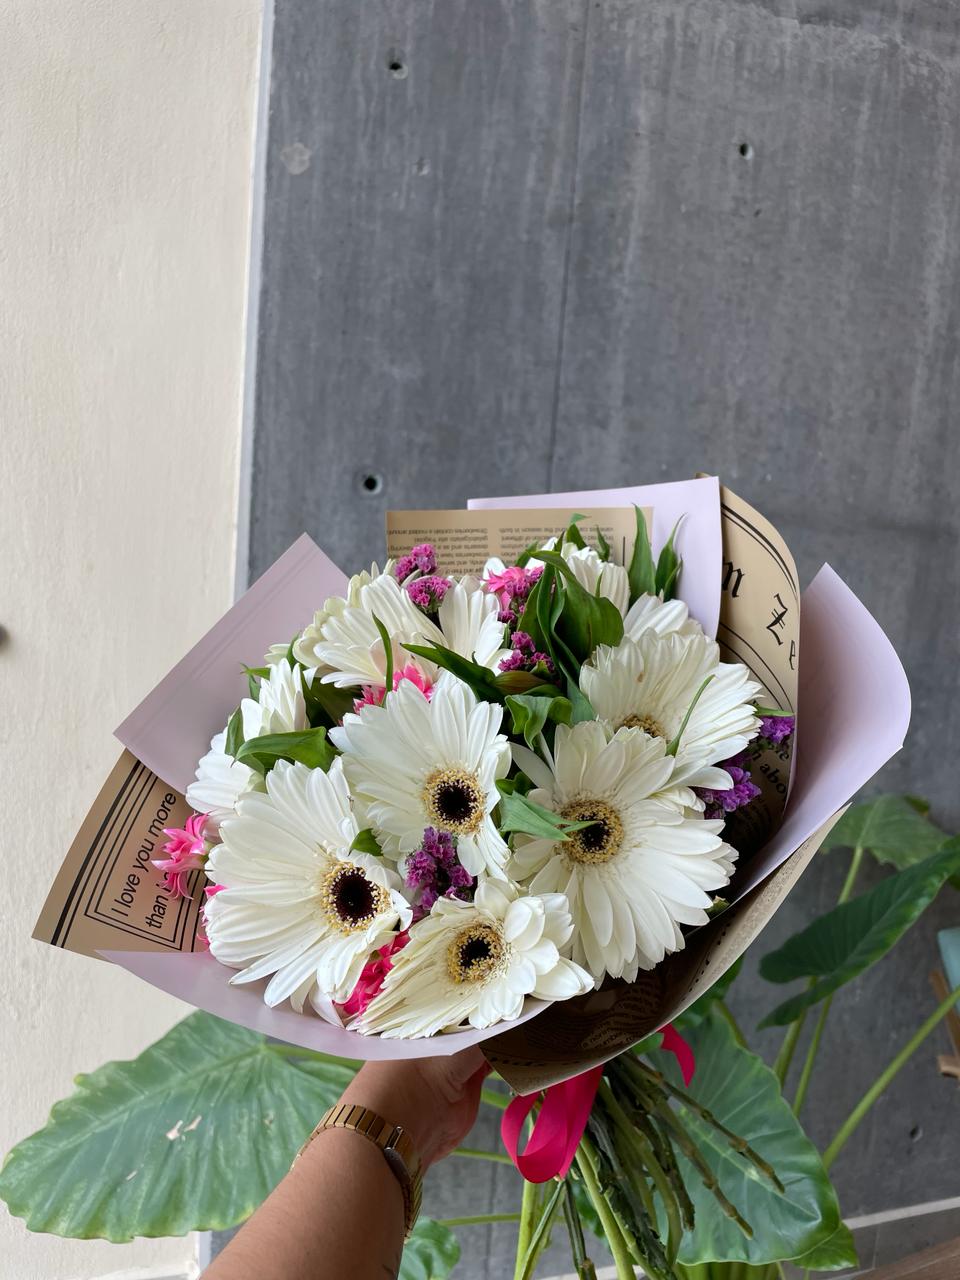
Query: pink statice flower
525	656
187	850
420	559
373	695
372	977
744	790
427	593
512	584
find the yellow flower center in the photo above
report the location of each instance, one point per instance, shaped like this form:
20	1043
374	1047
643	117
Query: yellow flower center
476	951
597	843
454	800
349	900
647	723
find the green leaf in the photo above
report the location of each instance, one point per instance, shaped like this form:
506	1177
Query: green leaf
387	653
150	1147
832	1254
573	534
668	567
847	940
894	828
517	813
431	1253
743	1093
603	546
582	706
531	712
584	620
366	842
325	703
674	743
234	739
308	746
480	679
718	991
254	676
642	572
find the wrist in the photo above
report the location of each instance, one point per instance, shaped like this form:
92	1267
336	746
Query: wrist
394	1090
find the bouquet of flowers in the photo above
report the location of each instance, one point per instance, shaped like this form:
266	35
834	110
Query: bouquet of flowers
543	802
450	794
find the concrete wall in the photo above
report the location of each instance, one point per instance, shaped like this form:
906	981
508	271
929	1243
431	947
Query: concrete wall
126	144
566	243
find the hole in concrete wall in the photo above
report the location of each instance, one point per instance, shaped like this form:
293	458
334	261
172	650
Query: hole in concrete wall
746	150
396	64
371	483
915	1133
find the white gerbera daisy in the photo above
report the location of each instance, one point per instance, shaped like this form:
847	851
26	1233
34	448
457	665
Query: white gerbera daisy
651	683
312	634
477	962
416	762
469	619
642	869
599	577
650	613
297	902
220	780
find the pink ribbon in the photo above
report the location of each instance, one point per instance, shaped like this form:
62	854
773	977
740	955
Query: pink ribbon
563	1116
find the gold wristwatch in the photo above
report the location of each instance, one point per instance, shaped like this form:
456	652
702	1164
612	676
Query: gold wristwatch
392	1139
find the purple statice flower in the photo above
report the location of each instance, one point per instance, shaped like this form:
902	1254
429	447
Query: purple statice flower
776	729
507	617
720	803
525	656
420	559
436	871
426	593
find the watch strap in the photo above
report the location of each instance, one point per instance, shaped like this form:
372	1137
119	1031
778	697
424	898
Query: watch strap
392	1139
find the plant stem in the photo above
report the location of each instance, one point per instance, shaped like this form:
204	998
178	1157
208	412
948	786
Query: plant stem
723	1009
494	1099
478	1219
586	1163
881	1082
541	1233
782	1064
789	1046
528	1211
474	1153
804	1082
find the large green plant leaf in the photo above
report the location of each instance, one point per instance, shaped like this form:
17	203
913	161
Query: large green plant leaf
150	1147
895	829
743	1093
830	1255
847	940
431	1253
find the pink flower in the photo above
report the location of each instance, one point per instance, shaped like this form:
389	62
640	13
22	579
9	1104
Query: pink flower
373	695
187	848
373	975
513	583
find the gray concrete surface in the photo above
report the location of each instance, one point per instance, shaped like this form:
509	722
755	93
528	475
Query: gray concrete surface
568	243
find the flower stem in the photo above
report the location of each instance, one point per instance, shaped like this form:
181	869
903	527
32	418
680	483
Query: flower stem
528	1212
474	1153
789	1047
885	1077
478	1219
586	1163
494	1099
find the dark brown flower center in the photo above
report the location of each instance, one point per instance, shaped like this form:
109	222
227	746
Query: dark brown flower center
454	800
600	841
349	900
475	952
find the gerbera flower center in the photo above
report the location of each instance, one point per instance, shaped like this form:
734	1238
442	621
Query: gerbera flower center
454	800
349	900
647	723
597	843
475	952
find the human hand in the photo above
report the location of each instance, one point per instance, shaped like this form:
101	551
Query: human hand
434	1099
